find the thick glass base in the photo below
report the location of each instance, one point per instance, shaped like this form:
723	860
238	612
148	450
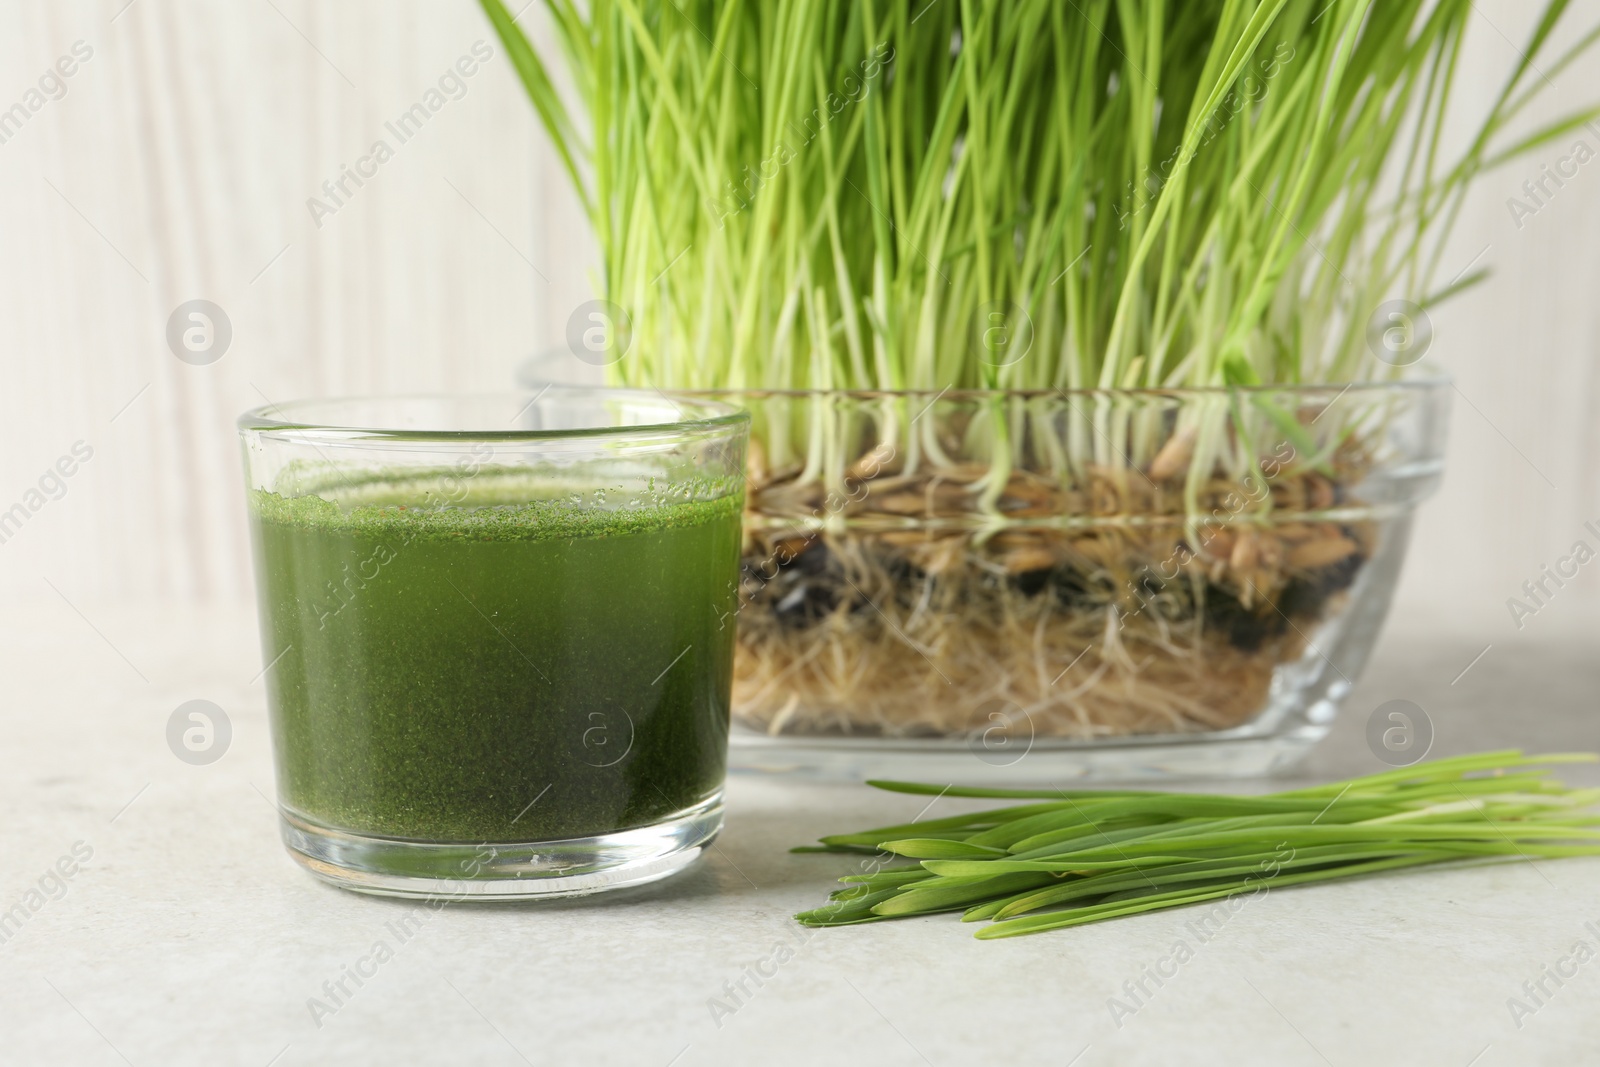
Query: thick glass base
483	871
1044	763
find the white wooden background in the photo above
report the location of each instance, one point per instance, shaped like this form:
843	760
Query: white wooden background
178	166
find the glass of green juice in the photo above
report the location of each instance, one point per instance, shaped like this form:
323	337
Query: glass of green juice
499	634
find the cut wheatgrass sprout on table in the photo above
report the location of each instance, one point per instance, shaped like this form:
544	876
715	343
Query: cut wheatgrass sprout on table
1057	204
1074	857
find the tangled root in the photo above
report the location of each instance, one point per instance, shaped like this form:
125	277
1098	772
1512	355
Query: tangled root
924	628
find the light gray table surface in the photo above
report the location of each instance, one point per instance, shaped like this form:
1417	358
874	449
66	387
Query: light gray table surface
188	936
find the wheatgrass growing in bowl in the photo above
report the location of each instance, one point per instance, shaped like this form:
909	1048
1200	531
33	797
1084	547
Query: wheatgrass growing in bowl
1081	342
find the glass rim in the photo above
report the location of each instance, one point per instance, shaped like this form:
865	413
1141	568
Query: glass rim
708	414
1433	380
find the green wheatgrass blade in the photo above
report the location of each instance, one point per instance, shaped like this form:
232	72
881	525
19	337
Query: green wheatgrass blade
1433	770
1067	820
1162	813
847	912
1089	857
1154	866
892	877
1443	770
1311	835
958	823
1156	834
1030	924
1167	875
948	894
933	848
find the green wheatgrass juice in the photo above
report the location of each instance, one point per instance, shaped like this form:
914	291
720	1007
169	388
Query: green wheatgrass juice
494	671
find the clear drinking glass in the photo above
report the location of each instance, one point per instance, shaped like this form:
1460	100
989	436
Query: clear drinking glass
499	632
